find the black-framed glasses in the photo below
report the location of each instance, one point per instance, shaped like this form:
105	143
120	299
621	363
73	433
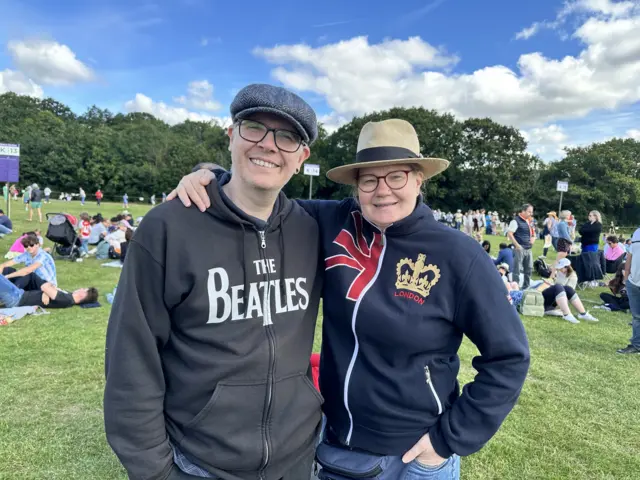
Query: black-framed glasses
395	180
254	132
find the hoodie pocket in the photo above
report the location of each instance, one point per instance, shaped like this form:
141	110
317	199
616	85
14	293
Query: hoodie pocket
296	415
227	432
432	389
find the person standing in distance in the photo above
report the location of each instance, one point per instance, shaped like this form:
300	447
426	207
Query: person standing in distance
211	331
632	280
522	235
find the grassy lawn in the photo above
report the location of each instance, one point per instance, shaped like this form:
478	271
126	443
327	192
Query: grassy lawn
577	417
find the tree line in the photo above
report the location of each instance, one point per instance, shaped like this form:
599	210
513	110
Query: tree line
490	168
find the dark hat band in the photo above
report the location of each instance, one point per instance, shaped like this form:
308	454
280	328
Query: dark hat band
377	154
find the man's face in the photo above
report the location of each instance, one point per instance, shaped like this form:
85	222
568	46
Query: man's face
80	294
263	165
33	249
528	213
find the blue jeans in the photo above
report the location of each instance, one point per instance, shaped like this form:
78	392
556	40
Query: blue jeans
4	230
449	470
633	293
85	245
10	295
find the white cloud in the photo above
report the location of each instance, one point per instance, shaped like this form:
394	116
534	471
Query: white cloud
606	7
204	42
199	96
634	133
356	77
49	63
18	82
169	114
602	8
332	122
547	142
528	32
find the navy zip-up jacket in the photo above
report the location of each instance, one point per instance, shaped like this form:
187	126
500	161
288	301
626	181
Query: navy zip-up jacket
505	255
396	306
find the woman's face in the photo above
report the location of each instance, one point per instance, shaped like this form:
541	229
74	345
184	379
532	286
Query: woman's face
592	217
384	204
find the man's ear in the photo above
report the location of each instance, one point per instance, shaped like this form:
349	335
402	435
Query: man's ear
230	135
304	155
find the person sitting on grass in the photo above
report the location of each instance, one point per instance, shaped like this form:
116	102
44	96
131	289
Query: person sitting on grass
6	226
35	259
45	295
505	255
556	300
613	250
486	245
564	274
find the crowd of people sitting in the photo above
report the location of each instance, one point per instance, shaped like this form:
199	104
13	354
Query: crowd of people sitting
109	237
556	290
29	275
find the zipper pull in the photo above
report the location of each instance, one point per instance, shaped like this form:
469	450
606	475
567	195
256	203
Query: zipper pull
263	239
427	374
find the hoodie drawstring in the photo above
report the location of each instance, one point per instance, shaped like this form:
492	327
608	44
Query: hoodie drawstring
245	297
283	294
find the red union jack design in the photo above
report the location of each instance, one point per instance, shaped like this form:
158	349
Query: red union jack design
360	256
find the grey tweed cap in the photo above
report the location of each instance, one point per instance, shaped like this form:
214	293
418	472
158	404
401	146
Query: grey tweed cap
263	98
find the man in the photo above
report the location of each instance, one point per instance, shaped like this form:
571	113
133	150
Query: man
47	195
36	202
522	235
44	294
632	277
6	226
211	331
35	260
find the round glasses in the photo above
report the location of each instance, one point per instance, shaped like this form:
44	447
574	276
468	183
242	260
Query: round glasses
395	180
254	132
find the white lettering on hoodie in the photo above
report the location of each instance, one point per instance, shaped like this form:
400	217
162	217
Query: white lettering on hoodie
258	298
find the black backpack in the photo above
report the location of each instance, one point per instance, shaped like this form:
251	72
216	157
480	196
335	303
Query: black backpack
542	268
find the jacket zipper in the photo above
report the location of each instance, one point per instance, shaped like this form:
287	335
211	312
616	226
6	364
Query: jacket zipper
427	374
272	354
357	343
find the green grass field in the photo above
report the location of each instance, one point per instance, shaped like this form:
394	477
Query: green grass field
577	417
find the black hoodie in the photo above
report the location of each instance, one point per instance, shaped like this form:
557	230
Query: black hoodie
194	358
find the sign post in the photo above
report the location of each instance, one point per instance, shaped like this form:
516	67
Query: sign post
561	187
9	167
313	171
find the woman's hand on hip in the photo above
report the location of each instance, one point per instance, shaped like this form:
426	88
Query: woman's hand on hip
424	453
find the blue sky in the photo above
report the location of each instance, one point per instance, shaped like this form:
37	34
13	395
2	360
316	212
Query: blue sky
186	59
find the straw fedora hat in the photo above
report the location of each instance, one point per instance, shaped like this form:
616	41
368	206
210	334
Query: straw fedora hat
388	142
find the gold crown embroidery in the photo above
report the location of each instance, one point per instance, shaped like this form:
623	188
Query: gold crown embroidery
415	276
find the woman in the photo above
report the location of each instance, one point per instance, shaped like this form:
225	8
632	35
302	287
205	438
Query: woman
614	250
486	245
590	232
550	226
564	236
556	301
564	274
400	290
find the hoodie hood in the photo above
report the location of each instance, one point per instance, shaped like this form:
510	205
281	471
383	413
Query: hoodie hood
223	208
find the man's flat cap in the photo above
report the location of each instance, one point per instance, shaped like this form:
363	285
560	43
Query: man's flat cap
262	98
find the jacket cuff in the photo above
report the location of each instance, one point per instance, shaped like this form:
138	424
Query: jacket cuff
438	442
